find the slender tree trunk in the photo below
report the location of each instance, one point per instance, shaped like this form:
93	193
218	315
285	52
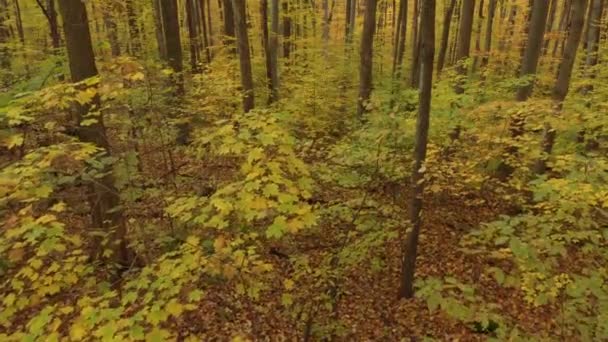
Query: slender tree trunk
478	39
134	34
204	35
367	51
456	20
159	30
53	24
286	29
564	73
111	29
271	67
400	38
593	36
410	247
242	39
445	36
550	22
103	195
228	22
19	22
5	52
529	62
489	26
464	41
173	42
209	24
415	69
273	45
563	25
193	35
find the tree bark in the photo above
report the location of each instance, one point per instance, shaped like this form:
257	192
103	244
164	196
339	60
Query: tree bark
464	40
193	35
103	195
5	52
400	39
415	69
229	23
286	29
529	62
19	22
173	42
550	22
159	30
111	27
488	41
367	51
270	48
564	73
410	247
134	34
273	45
445	36
242	39
593	35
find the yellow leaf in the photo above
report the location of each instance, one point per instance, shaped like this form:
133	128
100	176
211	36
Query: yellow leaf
58	207
77	331
289	284
219	243
174	308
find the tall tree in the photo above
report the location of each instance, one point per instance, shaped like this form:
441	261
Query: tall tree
228	20
367	51
173	41
550	22
192	16
104	198
286	29
51	16
564	73
134	34
5	52
445	36
593	34
19	22
410	246
273	46
270	48
242	39
464	40
488	38
159	30
415	68
400	38
109	22
529	63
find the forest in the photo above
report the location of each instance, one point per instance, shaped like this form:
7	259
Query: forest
303	170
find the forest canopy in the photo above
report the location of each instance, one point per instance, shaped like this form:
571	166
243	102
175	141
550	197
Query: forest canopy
312	170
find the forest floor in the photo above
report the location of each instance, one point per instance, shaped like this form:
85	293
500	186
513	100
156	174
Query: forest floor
369	308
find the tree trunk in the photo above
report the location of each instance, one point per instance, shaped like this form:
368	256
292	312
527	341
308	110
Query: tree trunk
209	25
367	51
270	48
242	39
111	27
228	22
134	34
400	38
593	36
159	30
563	25
464	40
550	22
19	22
193	35
286	29
410	246
204	35
456	20
273	46
529	62
489	26
103	195
415	69
564	73
478	39
5	52
173	42
53	24
445	36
